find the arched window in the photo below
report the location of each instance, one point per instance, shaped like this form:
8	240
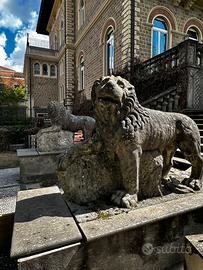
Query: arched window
36	69
81	74
81	12
45	69
110	51
53	71
159	36
193	34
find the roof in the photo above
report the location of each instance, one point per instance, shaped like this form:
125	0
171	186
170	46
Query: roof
6	69
44	14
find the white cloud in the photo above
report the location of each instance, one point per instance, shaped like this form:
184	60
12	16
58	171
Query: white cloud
8	20
3	56
18	16
17	56
21	8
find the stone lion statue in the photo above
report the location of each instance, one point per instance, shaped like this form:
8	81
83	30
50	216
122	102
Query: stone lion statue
126	129
61	119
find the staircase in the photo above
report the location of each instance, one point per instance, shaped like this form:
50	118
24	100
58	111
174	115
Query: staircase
197	116
179	161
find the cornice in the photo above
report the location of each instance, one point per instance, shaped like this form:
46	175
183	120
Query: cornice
56	6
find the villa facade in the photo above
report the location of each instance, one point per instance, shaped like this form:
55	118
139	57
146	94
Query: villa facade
89	39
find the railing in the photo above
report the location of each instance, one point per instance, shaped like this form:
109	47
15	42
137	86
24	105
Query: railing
37	42
186	53
167	101
168	70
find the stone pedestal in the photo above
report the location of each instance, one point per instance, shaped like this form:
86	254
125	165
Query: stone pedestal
46	236
90	177
38	166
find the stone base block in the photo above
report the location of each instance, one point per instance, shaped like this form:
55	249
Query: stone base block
38	166
91	177
145	238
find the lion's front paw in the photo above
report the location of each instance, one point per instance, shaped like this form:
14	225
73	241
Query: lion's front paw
195	184
122	199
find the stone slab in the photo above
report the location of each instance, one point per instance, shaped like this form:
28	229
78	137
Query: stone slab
197	242
60	259
110	225
27	152
38	167
42	222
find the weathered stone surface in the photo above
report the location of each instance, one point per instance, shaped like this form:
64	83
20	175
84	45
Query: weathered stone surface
194	254
87	178
68	257
38	166
139	217
153	239
53	140
63	119
42	222
126	130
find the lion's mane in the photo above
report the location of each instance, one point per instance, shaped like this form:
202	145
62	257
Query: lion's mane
132	114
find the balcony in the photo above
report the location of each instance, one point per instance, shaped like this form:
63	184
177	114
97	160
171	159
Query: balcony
179	69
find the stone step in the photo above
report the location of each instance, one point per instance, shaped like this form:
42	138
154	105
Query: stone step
181	163
42	222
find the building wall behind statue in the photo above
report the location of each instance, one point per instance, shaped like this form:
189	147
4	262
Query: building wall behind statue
90	37
177	17
43	88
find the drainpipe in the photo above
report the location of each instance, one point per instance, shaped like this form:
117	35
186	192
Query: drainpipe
65	30
132	39
30	71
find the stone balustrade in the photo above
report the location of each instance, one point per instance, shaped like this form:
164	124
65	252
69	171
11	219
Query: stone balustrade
167	101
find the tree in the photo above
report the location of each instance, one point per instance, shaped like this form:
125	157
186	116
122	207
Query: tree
9	95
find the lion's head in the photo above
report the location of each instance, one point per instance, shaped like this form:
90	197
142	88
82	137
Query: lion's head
115	102
56	112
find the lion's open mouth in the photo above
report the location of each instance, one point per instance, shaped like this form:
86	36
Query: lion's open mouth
108	100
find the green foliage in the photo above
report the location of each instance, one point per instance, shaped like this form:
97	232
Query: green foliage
12	95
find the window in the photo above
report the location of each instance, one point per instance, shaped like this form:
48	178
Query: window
109	52
159	37
45	70
81	13
192	34
53	71
36	69
81	74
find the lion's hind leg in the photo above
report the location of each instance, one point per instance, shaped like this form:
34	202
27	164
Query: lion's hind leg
168	154
191	150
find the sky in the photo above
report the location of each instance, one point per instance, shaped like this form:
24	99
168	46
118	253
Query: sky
17	18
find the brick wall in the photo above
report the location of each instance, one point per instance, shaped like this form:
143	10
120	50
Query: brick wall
89	37
180	14
43	89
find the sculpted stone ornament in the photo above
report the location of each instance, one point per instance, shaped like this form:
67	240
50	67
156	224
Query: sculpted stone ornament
135	141
60	135
63	120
